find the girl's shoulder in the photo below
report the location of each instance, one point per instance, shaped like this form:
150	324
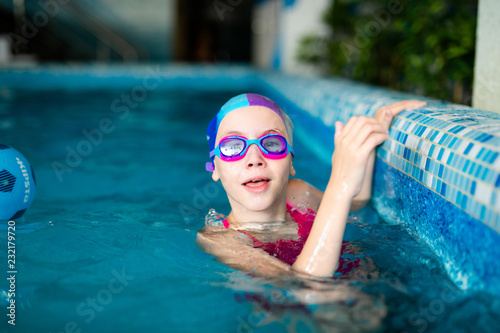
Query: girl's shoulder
302	194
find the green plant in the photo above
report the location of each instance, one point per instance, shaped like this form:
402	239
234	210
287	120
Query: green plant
422	46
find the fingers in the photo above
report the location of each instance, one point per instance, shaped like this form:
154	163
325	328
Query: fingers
397	107
386	113
368	130
384	117
373	141
358	129
338	130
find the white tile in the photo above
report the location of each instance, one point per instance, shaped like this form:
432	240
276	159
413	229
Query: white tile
411	127
436	151
483	192
412	141
463	145
474	150
426	145
438	137
401	123
445	156
464	131
426	132
430	177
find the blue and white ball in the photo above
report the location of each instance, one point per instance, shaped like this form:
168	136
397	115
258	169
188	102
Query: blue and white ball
17	183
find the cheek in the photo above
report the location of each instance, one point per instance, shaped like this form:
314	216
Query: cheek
229	172
282	168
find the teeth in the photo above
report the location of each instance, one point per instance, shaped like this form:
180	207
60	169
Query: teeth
256	180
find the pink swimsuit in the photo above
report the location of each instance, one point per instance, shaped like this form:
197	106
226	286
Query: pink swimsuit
288	250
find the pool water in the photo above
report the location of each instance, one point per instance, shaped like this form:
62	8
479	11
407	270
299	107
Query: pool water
109	242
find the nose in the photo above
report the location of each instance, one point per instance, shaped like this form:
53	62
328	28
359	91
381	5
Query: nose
254	157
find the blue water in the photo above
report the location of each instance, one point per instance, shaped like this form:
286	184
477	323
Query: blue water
108	244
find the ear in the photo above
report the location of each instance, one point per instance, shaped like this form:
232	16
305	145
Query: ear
215	174
292	170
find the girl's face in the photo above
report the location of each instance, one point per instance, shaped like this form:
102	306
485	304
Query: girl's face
270	177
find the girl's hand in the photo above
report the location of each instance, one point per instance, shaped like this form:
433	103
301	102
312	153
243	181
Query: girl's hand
353	144
385	114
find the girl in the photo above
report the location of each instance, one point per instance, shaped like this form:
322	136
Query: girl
250	142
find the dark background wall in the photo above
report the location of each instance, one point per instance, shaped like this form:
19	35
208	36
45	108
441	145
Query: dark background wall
117	30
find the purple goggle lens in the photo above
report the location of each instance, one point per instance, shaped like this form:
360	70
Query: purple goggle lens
233	148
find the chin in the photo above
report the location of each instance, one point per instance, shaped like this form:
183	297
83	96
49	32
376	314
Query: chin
260	203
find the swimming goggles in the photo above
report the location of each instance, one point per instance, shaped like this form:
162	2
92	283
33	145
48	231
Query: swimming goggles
233	148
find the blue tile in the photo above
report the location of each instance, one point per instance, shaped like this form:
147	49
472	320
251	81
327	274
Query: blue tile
480	137
493	198
478	171
473	188
460	163
450	158
469	147
443	189
416	129
440	172
406	153
466	165
473	166
493	158
419	145
458	128
486	156
430	134
422	130
487	138
463	203
440	154
431	150
471	135
443	138
447	141
448	175
480	153
452	143
497	183
486	171
433	135
483	212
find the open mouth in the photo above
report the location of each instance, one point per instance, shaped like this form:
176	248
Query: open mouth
256	182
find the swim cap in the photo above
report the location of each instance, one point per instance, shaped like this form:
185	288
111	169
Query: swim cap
234	103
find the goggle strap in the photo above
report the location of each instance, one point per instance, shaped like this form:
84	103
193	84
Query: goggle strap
209	167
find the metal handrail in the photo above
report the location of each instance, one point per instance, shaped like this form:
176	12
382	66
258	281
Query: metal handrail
100	31
105	35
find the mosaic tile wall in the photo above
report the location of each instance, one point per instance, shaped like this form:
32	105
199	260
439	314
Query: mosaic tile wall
451	149
439	173
453	152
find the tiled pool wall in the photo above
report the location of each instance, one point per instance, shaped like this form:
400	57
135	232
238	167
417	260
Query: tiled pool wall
439	173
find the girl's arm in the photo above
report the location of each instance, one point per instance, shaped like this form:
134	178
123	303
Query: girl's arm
384	116
236	251
353	146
